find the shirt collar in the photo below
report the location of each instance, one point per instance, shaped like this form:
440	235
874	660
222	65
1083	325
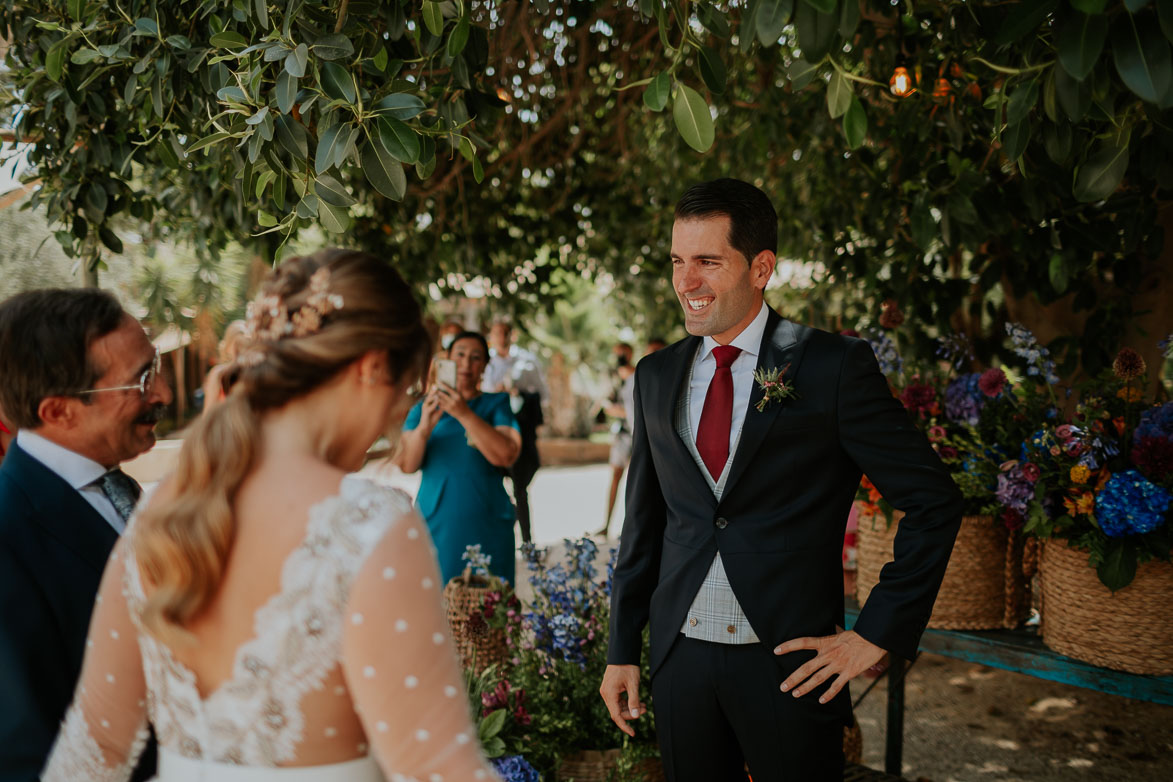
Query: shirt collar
750	338
75	469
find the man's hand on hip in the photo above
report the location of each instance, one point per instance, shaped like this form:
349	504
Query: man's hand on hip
619	679
844	655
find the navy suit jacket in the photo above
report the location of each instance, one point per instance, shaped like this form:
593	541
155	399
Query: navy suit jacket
53	548
779	525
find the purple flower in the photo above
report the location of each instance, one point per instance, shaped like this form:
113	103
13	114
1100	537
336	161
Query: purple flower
1014	489
515	768
964	399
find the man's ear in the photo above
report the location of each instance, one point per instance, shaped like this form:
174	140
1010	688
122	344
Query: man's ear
761	268
58	411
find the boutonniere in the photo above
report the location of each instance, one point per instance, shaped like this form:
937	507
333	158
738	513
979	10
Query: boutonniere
775	387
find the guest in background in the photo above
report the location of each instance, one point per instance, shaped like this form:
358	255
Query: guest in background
460	438
230	345
6	435
514	369
621	408
81	383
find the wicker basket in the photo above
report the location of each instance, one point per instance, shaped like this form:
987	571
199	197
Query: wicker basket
1131	630
594	765
984	586
479	645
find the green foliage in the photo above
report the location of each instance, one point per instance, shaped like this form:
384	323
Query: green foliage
465	138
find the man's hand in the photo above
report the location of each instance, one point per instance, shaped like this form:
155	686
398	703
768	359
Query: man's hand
844	656
618	679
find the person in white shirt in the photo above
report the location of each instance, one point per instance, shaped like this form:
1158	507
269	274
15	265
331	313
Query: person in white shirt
81	384
517	371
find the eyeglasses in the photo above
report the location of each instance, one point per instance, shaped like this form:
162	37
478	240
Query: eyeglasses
143	386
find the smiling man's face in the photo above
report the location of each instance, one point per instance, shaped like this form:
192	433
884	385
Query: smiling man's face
720	290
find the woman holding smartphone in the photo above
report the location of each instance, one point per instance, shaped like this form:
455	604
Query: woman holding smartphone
460	438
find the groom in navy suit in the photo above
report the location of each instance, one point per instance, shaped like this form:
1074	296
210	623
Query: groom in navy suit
80	381
737	498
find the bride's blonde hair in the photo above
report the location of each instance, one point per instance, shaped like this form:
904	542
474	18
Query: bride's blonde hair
315	316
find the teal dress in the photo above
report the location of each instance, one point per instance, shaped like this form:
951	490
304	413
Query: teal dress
461	495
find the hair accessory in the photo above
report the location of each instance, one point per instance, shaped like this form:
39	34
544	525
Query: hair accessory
306	319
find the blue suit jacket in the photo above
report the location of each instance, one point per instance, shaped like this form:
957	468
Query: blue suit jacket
53	548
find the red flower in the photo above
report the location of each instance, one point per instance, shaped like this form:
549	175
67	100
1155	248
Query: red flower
948	452
1011	518
1030	471
890	315
918	397
849	333
991	382
1154	457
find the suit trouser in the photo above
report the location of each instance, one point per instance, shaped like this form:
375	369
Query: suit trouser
718	707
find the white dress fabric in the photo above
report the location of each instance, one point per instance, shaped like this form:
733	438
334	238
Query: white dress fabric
350	674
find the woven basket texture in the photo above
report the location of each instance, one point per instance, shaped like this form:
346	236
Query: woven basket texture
984	586
597	765
478	650
1131	630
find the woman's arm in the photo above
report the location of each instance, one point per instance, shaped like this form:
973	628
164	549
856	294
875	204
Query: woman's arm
413	443
500	445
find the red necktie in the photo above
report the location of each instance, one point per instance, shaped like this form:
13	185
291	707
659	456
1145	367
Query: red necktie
712	435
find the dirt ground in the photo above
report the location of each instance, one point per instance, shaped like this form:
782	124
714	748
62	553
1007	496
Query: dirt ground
969	723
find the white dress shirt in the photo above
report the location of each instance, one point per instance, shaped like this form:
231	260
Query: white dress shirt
705	366
73	468
519	369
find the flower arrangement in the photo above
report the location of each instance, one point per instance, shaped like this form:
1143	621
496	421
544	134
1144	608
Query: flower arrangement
1103	481
542	703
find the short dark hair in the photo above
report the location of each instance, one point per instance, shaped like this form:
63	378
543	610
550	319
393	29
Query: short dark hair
45	339
479	337
753	223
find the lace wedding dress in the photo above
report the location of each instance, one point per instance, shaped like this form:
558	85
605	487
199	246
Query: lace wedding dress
349	675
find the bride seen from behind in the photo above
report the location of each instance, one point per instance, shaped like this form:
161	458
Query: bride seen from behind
271	615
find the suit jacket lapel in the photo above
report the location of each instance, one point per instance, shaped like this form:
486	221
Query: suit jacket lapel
61	510
669	397
780	347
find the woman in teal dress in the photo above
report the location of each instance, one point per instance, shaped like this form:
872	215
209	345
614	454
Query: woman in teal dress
460	438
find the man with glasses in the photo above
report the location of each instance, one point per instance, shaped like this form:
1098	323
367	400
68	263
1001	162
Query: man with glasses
81	385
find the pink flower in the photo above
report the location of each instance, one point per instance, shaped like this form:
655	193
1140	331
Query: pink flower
1063	432
936	433
948	452
1030	471
992	381
1055	450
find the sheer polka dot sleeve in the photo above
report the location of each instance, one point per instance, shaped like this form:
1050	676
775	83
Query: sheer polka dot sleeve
105	727
401	666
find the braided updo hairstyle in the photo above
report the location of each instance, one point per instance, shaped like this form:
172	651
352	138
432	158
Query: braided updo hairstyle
301	337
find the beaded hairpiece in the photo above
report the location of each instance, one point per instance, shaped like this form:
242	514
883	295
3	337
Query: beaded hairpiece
305	320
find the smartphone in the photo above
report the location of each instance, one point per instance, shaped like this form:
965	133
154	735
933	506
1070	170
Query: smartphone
446	372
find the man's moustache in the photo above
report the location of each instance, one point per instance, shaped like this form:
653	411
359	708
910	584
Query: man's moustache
152	416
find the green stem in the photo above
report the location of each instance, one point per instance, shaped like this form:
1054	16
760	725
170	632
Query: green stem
1012	71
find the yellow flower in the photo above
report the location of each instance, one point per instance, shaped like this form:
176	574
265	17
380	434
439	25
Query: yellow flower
1086	503
1130	394
1079	474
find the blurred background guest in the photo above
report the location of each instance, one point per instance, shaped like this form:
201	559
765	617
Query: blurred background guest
621	407
230	344
517	371
459	438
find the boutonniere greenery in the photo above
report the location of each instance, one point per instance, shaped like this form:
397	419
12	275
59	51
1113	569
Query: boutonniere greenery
775	387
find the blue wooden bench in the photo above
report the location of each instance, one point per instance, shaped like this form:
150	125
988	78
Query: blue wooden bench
1021	651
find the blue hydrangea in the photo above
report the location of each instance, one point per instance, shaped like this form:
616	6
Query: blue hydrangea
1131	505
886	353
1038	358
1155	422
515	768
963	399
1166	346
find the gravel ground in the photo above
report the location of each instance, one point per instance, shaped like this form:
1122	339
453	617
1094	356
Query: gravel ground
969	723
